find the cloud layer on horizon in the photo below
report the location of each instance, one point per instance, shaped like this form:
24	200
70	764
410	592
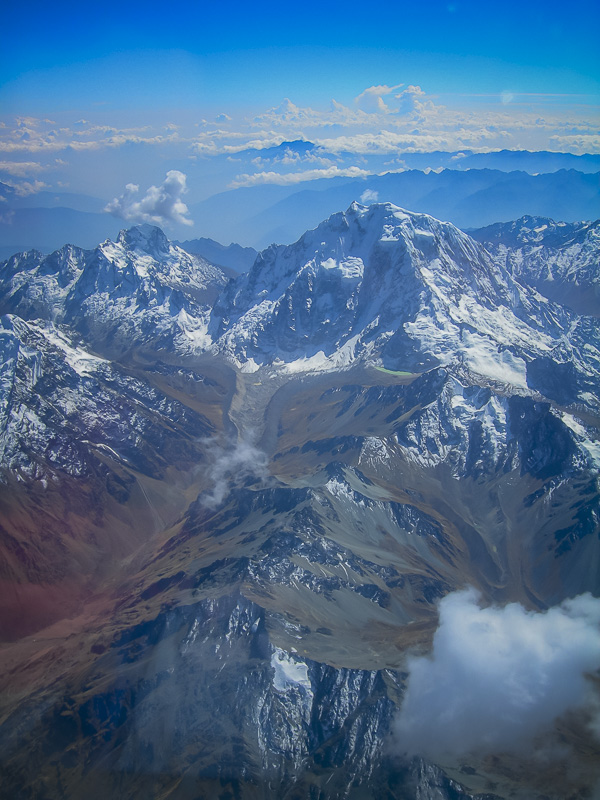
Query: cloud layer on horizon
383	121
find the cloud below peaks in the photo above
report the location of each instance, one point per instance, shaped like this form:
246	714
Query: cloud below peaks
290	178
230	465
498	677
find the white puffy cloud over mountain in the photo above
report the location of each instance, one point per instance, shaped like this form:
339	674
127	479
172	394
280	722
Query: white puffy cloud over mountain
161	205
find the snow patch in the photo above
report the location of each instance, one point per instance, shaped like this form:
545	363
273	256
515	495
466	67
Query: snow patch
195	330
485	358
373	451
82	362
584	441
289	672
351	267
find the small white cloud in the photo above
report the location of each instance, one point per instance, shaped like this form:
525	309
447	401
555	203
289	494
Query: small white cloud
21	169
161	205
506	97
222	118
412	100
26	188
498	677
297	177
369	196
7	217
371	100
232	465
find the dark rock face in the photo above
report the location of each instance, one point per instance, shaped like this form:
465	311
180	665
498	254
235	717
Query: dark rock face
215	560
554	380
545	446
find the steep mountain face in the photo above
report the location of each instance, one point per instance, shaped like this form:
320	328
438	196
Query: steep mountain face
87	453
559	259
412	292
140	289
218	552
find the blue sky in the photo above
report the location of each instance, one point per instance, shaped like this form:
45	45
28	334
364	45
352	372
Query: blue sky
95	97
57	56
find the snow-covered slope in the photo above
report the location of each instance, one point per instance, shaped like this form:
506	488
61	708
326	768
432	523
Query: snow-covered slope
559	259
141	289
225	524
406	291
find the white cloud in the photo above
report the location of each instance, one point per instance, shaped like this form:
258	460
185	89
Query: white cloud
369	196
35	136
25	188
290	157
215	143
393	142
297	177
381	143
21	169
498	677
285	113
576	143
371	100
295	119
232	465
160	205
413	100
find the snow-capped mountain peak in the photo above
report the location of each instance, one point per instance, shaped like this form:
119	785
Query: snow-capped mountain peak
147	238
135	290
390	286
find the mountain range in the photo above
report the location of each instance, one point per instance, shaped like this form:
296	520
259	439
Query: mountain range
230	507
468	189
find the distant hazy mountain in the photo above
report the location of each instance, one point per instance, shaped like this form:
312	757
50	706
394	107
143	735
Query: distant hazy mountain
48	228
290	156
473	190
231	257
536	162
470	199
77	202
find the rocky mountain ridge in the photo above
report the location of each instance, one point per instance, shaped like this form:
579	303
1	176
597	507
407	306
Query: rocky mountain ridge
228	509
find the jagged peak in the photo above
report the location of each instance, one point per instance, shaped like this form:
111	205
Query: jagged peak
149	238
378	215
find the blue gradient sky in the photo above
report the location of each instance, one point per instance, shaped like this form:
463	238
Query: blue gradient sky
58	56
96	96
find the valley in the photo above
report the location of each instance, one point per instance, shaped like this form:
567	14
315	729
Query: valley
228	514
